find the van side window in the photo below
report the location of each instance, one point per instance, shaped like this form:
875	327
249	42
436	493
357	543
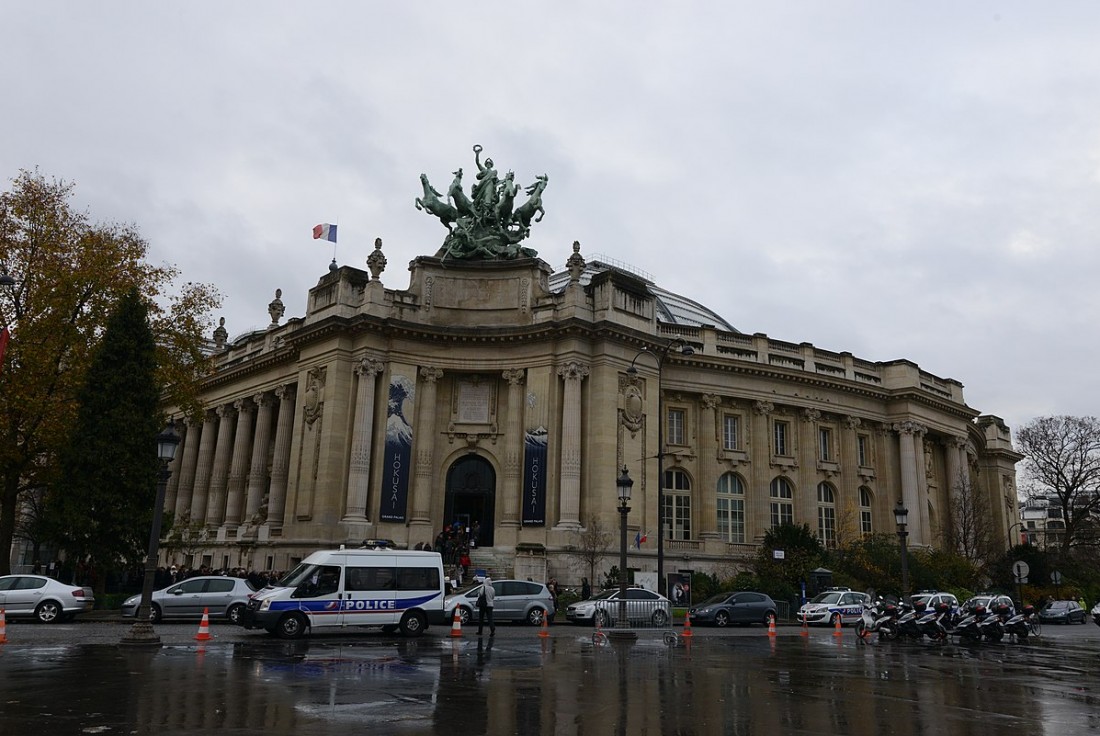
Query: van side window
417	578
370	578
325	580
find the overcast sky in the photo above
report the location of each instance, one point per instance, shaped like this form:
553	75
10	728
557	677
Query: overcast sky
897	180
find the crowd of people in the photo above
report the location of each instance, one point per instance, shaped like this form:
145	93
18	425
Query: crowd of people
454	543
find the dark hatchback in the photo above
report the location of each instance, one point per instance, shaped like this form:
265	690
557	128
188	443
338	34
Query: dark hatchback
1062	612
741	607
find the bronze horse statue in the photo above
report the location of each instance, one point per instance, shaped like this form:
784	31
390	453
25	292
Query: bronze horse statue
432	203
525	213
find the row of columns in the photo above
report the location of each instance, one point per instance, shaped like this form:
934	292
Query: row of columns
221	473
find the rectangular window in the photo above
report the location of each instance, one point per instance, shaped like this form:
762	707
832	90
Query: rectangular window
678	515
782	513
675	427
731	519
864	451
730	433
825	443
865	521
826	525
780	446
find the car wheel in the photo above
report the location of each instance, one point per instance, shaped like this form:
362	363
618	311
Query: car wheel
235	613
600	619
413	623
48	612
465	615
535	616
155	614
660	617
291	626
721	619
861	629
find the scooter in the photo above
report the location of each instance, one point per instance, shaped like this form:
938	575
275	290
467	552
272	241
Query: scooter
937	625
909	621
968	629
1024	623
880	618
993	628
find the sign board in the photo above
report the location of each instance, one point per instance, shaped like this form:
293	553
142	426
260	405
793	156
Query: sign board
1056	577
1020	569
779	554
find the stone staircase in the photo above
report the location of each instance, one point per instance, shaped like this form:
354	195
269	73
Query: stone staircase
498	566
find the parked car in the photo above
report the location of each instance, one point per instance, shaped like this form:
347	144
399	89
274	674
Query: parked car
43	598
933	598
224	597
515	600
643	608
989	600
825	608
741	607
1062	612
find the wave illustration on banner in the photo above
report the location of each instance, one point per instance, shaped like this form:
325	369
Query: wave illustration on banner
398	455
534	477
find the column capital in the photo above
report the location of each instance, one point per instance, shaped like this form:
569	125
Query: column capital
573	371
811	415
514	376
909	427
243	405
763	407
284	392
853	422
224	411
369	366
710	401
431	375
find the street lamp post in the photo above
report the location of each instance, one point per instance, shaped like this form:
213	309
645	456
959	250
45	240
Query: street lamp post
901	515
142	633
682	348
622	624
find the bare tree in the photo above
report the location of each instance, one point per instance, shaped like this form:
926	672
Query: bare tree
969	531
592	544
1063	464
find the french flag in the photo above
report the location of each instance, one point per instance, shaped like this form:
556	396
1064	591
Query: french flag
639	539
324	232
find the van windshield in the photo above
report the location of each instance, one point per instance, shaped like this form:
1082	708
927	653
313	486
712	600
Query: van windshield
297	576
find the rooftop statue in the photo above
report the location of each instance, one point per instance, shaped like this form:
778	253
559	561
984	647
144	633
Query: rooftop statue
486	225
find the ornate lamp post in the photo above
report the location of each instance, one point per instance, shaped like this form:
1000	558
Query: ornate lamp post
622	625
682	348
901	515
141	632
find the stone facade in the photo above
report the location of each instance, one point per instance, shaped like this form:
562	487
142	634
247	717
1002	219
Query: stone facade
503	393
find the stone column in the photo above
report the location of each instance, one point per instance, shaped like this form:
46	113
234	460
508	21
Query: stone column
424	444
908	434
257	473
190	453
513	448
280	461
707	487
215	508
362	435
569	498
922	485
806	497
849	475
204	466
238	469
758	518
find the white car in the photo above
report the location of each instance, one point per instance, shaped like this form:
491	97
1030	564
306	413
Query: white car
44	598
643	608
827	607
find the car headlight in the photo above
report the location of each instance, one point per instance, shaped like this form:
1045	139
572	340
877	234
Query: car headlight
132	600
265	605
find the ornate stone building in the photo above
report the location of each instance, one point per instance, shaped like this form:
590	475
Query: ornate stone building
500	392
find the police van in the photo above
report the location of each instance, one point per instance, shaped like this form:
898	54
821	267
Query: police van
395	589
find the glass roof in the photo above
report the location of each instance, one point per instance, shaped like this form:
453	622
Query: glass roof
671	308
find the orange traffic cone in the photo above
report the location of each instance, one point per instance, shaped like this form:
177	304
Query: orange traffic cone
3	627
687	626
204	627
771	625
456	624
805	626
836	629
544	632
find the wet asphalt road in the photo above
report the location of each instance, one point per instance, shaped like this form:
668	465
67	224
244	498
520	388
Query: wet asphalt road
72	678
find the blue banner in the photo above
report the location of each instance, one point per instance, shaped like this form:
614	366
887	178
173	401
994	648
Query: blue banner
534	478
398	456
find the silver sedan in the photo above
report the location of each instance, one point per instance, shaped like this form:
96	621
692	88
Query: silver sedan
42	597
221	596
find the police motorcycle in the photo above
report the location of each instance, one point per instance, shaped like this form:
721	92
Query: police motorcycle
881	617
1024	623
909	622
968	629
993	627
938	624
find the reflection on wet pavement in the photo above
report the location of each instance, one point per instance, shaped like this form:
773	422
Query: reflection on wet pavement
561	685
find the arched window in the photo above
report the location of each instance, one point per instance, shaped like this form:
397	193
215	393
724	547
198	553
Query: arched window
864	510
782	507
677	511
826	514
731	508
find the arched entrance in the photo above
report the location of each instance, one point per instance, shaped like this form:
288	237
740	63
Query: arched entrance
471	495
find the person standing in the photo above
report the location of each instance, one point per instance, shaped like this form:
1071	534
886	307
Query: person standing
485	607
586	589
